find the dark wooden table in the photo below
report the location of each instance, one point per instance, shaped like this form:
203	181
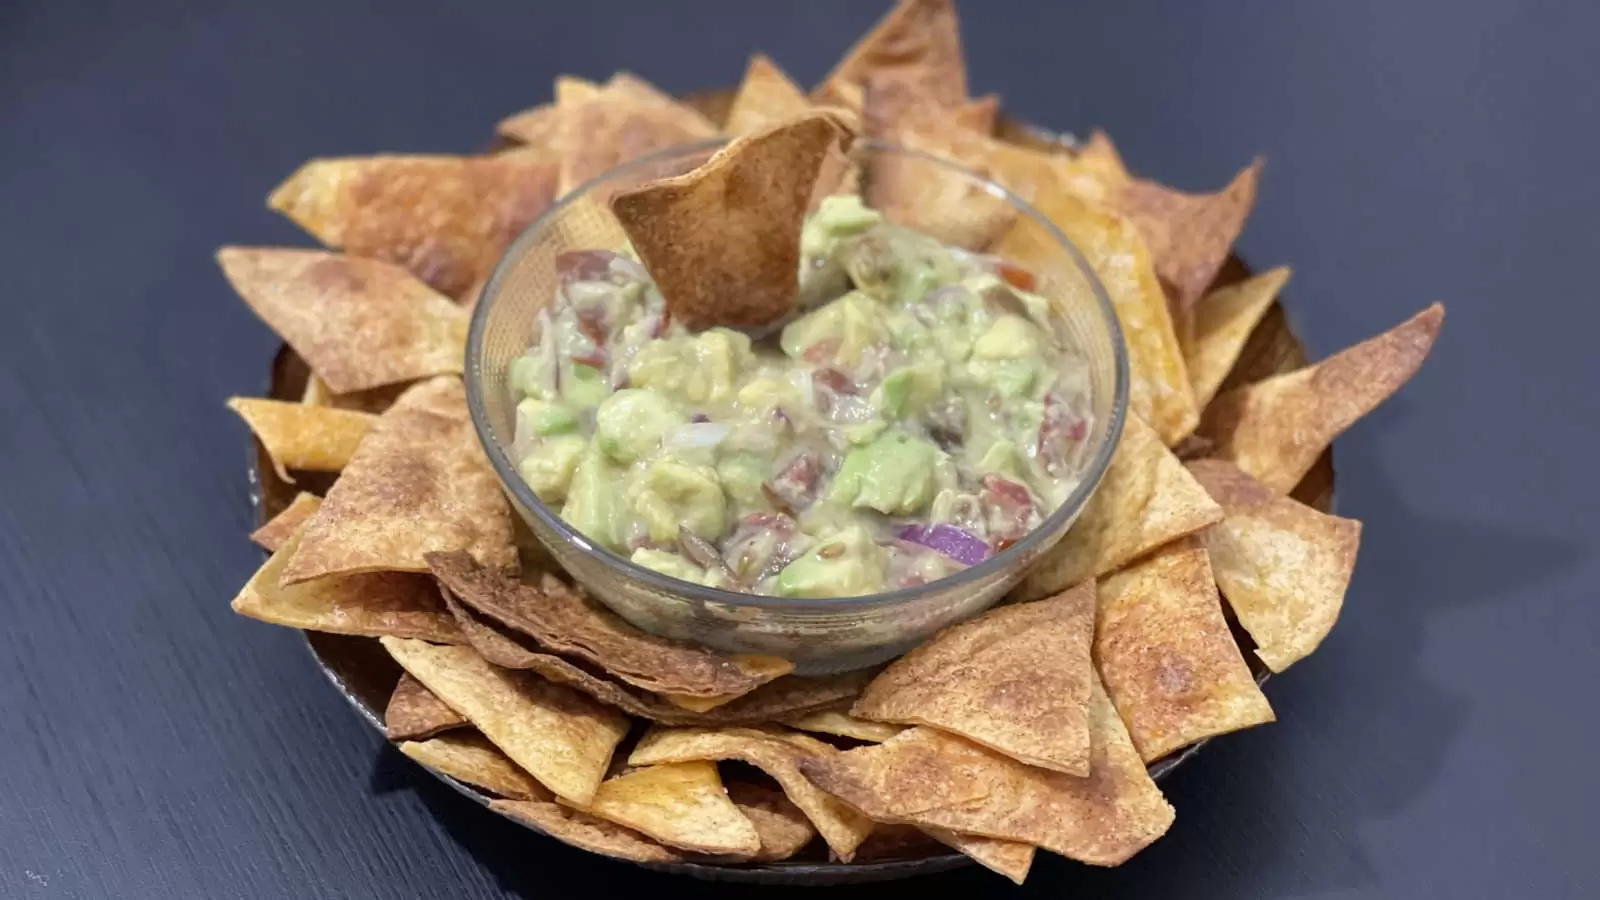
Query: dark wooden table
1441	744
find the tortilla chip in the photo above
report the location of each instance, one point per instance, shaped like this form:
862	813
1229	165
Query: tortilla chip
370	605
563	621
585	832
1282	566
1169	662
359	323
933	198
681	805
1009	858
1015	680
979	115
1223	320
374	400
277	532
779	755
1145	499
414	713
623	121
1101	820
571	90
467	756
840	722
1189	235
314	438
766	98
723	241
447	219
921	38
559	736
1159	390
536	126
784	830
418	483
1275	429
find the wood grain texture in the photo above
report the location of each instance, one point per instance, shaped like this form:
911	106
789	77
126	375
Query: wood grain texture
156	746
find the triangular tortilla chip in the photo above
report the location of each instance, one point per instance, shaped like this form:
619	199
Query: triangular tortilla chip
1223	320
681	805
414	713
933	198
535	126
1101	820
563	621
1145	499
557	735
920	37
359	323
784	830
370	605
1275	429
839	722
314	438
723	241
778	756
1015	680
1159	390
468	756
447	219
374	401
585	832
766	97
419	483
978	114
1190	235
623	121
1168	660
277	532
1009	858
1282	566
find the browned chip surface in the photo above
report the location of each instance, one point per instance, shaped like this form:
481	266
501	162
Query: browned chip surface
359	323
535	126
779	755
1145	499
414	713
585	832
559	736
920	38
1009	858
315	438
936	199
444	218
1275	429
783	828
600	129
1282	566
840	722
766	97
468	756
419	483
276	533
1015	680
1223	321
563	621
679	804
1190	235
723	241
1167	657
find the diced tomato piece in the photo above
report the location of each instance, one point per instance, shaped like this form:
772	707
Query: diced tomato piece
834	380
584	265
1014	275
795	486
592	324
822	351
1060	433
595	358
1008	508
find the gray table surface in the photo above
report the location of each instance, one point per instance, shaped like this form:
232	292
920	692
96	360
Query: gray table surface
1441	744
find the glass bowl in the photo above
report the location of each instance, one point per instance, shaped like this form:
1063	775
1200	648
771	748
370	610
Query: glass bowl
821	636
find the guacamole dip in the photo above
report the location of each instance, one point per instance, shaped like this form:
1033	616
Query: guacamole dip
920	412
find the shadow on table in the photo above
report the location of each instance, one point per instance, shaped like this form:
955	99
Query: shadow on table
1263	813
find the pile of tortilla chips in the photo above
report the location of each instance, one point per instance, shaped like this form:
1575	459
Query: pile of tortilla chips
1029	727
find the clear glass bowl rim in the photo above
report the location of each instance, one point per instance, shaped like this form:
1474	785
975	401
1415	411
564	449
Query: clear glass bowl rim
510	480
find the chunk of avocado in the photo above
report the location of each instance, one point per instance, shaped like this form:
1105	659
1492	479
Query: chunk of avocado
1003	458
854	321
533	374
846	564
670	564
628	426
908	390
1010	378
699	369
584	385
895	475
546	418
836	217
669	494
1007	337
765	393
864	432
594	505
741	475
548	467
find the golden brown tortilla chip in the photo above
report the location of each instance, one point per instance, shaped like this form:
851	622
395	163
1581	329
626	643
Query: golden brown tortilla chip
468	756
780	756
447	219
585	832
766	97
1223	320
1145	500
419	483
840	722
314	438
620	122
979	114
1009	858
359	323
374	401
1168	660
535	126
723	241
1101	820
919	37
1190	235
784	830
559	736
564	621
1159	390
933	198
1275	429
277	532
1015	680
371	605
414	713
681	805
1282	566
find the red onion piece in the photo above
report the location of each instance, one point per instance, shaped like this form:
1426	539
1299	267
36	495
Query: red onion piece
948	540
